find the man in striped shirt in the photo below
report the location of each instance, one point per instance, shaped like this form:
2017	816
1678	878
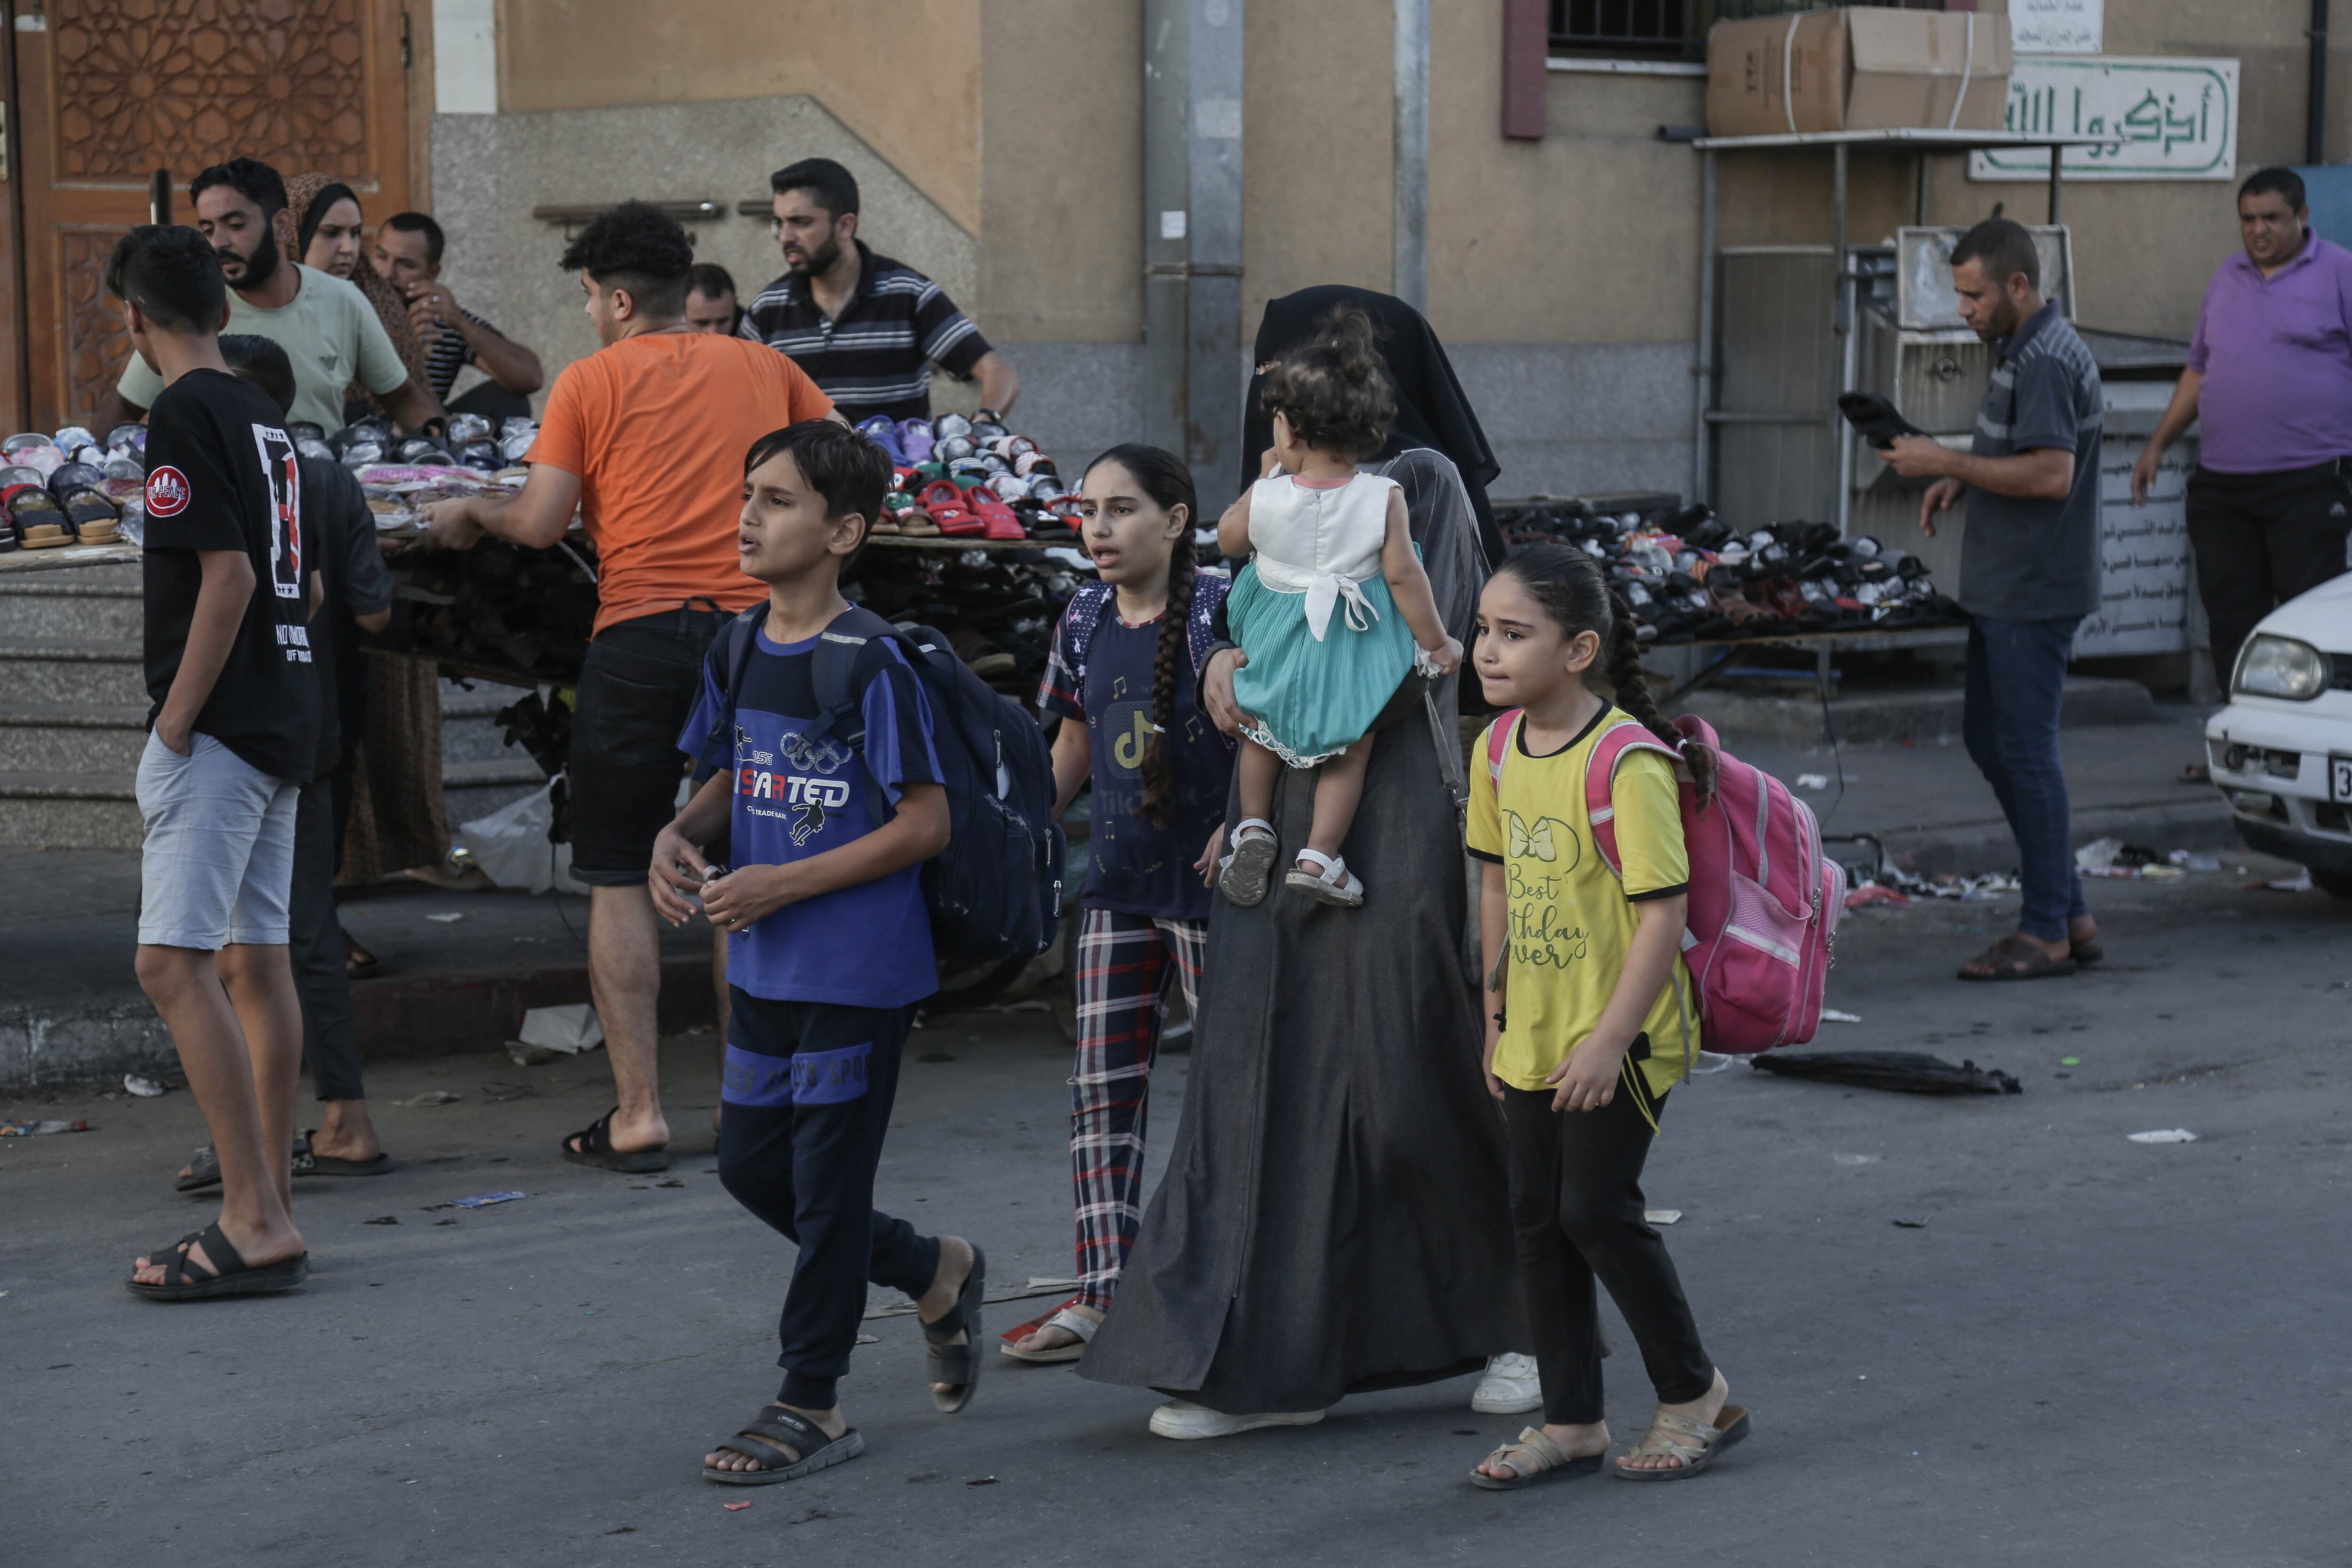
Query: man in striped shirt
864	328
408	254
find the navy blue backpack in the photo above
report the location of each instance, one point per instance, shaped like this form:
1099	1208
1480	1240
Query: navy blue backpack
995	891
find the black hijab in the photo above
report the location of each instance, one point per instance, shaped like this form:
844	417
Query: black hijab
1431	410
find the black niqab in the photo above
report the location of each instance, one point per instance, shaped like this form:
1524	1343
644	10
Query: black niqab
1430	409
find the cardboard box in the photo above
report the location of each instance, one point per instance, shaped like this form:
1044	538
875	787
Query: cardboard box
1865	68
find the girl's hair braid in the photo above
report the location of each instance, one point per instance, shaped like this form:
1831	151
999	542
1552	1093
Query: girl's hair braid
1335	390
1568	584
1164	478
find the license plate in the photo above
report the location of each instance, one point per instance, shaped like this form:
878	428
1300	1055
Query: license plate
2339	778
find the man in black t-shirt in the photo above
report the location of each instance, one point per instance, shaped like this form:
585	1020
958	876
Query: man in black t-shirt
230	590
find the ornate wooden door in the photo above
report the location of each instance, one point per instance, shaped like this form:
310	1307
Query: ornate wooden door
109	91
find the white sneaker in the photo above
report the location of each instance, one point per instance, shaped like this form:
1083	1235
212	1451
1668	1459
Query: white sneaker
1509	1388
1181	1420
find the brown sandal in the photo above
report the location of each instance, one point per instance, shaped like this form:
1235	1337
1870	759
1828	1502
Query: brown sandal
2016	957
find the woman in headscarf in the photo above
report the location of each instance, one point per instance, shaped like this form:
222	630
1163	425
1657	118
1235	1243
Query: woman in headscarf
391	795
1335	1217
1431	410
330	235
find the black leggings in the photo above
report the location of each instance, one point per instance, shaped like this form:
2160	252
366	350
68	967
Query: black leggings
1576	1209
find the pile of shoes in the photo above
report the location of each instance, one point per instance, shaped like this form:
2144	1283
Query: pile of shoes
969	479
67	488
403	474
998	611
1691	577
502	610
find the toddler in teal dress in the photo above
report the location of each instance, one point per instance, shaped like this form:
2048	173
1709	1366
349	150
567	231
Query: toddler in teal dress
1332	612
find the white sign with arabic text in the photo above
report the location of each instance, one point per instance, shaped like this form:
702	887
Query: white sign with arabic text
2171	119
2056	26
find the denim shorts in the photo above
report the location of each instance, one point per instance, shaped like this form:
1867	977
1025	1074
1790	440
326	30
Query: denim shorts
217	867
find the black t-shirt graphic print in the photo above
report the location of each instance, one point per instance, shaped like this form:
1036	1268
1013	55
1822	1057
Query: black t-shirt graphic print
222	474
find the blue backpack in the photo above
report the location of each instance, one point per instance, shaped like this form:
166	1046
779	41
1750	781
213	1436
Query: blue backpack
995	891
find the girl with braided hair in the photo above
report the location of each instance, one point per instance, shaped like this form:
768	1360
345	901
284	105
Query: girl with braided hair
1123	679
1593	1020
1327	612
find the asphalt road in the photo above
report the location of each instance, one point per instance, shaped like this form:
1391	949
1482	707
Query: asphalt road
2091	1351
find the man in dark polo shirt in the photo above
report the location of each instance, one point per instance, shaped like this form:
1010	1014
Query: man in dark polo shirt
2028	574
864	328
2269	377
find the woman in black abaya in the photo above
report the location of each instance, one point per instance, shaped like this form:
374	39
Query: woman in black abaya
1334	1218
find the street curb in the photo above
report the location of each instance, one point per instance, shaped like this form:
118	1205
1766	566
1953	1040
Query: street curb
99	1037
1973	849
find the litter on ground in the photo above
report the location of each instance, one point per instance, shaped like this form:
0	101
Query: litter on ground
1813	780
40	1128
2167	1135
1874	893
486	1199
430	1096
450	918
1906	1072
2298	883
570	1028
145	1088
1662	1216
1831	1016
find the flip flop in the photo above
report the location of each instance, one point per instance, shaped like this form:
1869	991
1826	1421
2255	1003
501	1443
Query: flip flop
231	1274
204	1167
1062	1317
2012	960
773	1436
1716	1439
595	1142
309	1164
1534	1458
958	1365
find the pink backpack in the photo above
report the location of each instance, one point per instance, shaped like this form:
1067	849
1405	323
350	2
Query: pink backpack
1764	902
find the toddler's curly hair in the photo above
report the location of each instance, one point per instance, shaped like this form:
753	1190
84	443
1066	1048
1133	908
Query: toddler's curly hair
1335	391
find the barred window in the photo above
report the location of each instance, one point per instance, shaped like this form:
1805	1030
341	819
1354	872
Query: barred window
1673	29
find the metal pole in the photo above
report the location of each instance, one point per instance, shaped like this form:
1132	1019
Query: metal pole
1409	196
1212	332
1842	327
2056	153
2314	126
1167	217
1703	362
1919	197
158	197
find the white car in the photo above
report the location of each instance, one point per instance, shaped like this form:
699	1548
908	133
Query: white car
2282	750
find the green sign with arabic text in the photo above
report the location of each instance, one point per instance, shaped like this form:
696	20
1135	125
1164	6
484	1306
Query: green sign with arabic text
2171	119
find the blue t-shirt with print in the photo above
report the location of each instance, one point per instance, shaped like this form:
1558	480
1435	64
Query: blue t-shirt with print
867	946
1133	868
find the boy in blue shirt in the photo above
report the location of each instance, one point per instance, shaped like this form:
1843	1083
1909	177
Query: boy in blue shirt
829	946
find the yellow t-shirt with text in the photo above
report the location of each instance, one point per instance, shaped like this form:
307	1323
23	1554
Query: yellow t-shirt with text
1570	919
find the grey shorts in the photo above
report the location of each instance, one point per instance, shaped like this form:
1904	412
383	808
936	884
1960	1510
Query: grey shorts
218	865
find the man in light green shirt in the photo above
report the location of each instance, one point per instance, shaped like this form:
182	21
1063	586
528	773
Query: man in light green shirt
326	327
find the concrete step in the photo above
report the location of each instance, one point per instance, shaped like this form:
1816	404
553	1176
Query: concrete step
68	809
1920	714
42	737
38	610
72	672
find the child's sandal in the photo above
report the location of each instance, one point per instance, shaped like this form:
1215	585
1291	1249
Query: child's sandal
1248	871
1337	885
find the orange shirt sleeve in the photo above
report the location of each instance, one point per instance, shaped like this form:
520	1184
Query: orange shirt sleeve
562	441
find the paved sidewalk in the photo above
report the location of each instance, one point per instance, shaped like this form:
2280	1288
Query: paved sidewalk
72	1009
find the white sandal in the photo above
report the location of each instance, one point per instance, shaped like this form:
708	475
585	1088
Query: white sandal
1337	885
1066	1318
1248	871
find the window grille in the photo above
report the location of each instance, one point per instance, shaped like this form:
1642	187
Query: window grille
1670	29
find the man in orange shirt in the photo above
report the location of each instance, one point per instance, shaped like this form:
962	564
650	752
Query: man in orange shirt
646	438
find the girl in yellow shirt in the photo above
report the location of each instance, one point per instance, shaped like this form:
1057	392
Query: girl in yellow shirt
1599	1023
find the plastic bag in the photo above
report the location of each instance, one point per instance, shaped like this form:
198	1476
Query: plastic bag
510	845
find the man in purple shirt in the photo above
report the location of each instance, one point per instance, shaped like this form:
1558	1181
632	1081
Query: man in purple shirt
2270	374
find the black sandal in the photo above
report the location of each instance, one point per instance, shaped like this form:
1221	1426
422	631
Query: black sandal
184	1280
308	1162
203	1168
958	1365
774	1438
2011	958
596	1149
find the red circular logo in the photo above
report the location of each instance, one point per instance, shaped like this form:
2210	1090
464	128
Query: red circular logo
167	492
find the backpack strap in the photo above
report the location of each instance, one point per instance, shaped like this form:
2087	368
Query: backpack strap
1209	591
1498	745
1628	734
1079	622
841	703
733	650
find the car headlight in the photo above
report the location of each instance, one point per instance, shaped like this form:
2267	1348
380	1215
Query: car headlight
2280	666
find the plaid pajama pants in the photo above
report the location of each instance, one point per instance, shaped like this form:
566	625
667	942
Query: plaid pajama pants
1125	965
